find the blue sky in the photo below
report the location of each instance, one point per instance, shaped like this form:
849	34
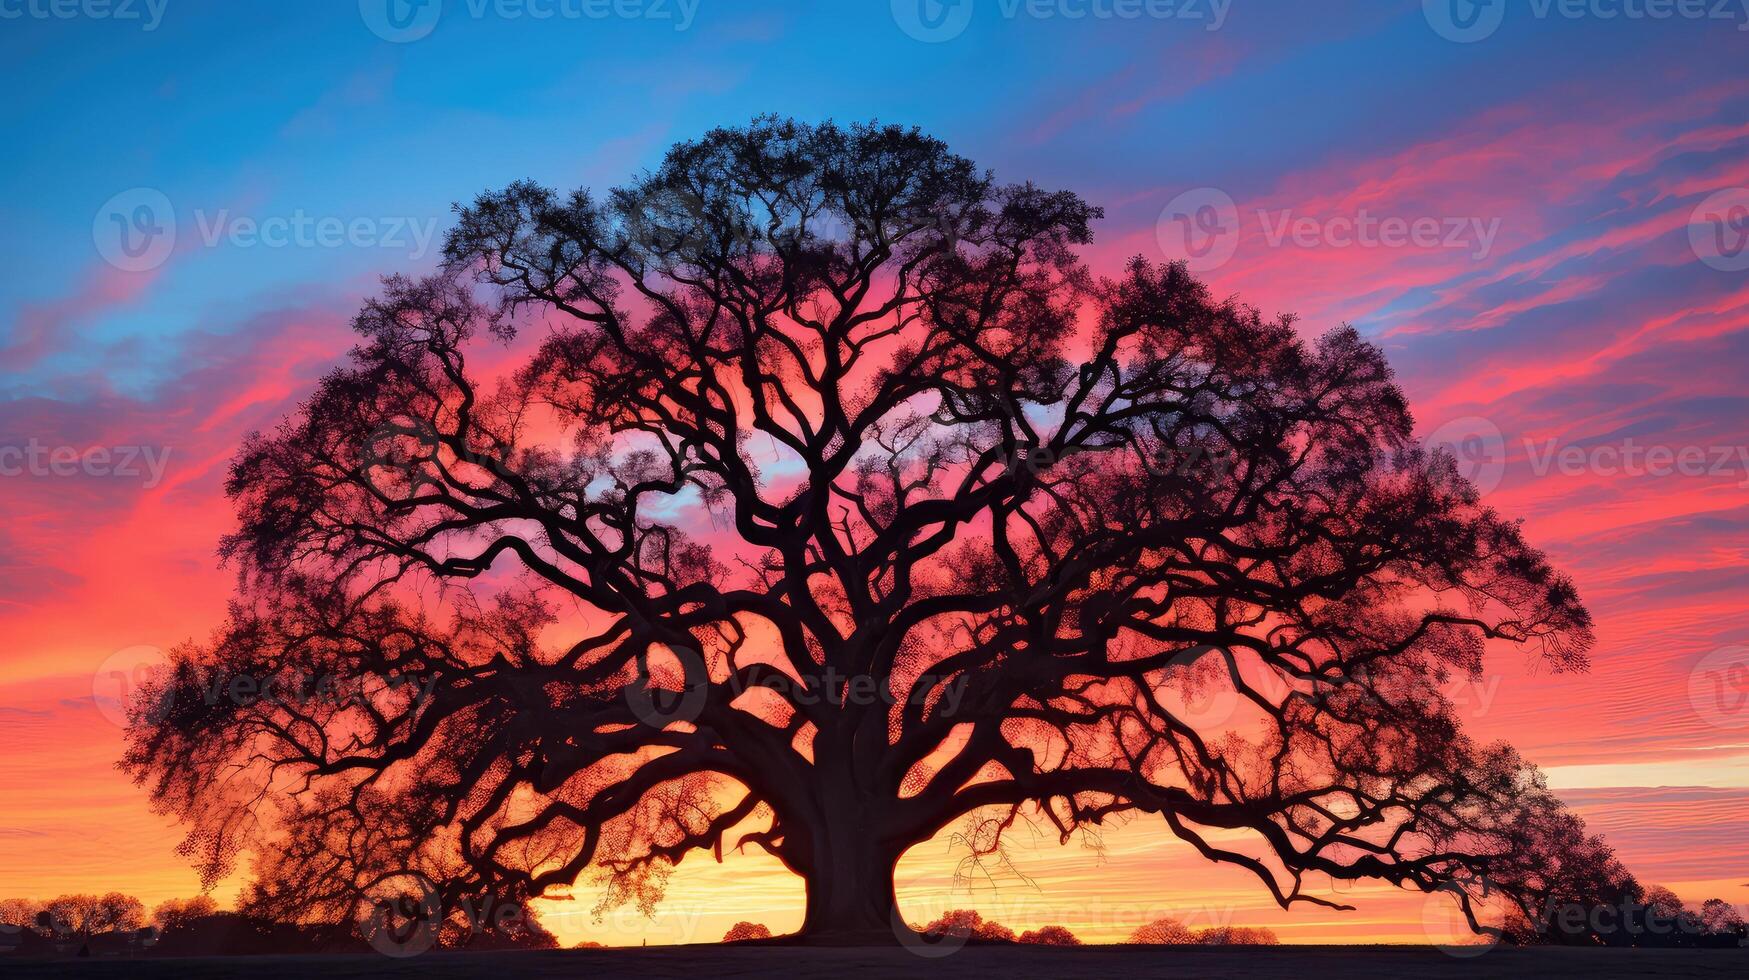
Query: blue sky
240	108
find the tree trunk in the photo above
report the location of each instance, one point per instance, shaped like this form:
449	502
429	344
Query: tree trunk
852	847
850	893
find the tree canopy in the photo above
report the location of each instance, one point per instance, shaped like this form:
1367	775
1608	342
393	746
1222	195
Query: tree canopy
834	502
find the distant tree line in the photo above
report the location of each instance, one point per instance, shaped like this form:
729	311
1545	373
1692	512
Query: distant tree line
1640	916
112	923
115	924
971	925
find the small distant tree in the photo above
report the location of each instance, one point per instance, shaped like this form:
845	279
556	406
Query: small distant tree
19	929
742	931
1236	936
969	924
1669	920
176	913
1050	936
1663	902
1721	918
1163	932
994	932
1171	932
79	917
19	913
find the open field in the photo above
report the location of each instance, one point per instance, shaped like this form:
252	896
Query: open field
1349	962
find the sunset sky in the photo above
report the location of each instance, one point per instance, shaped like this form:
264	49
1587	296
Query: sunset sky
1544	227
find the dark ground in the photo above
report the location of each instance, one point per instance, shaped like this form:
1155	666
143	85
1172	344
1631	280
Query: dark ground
1104	962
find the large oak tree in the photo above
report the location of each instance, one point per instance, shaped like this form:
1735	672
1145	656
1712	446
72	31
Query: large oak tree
839	504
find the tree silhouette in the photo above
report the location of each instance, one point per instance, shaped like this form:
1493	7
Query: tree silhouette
742	932
19	912
176	913
1237	936
78	919
1720	918
1049	936
967	924
840	501
1163	932
1171	932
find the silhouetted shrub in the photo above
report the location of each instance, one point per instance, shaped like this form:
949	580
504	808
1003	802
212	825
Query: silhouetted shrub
743	931
1171	932
1050	936
968	924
